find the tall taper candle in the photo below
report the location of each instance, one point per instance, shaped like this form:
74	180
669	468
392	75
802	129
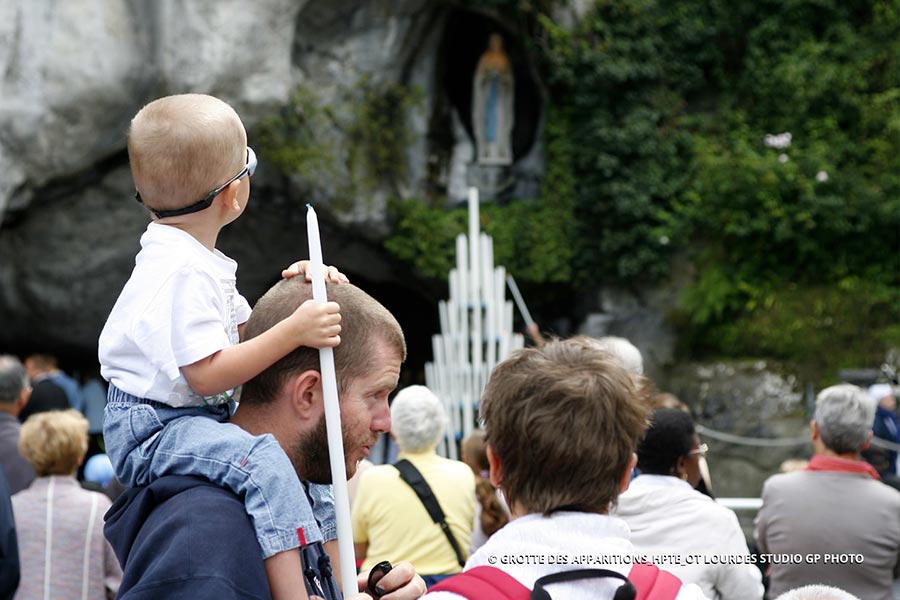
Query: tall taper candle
332	418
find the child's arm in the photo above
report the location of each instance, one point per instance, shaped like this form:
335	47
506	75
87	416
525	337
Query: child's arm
313	325
301	267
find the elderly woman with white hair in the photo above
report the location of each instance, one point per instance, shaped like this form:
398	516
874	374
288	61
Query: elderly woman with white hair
390	518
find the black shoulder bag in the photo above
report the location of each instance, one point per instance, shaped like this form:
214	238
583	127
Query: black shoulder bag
411	475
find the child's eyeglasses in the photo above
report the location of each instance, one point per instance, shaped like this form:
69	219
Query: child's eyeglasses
207	201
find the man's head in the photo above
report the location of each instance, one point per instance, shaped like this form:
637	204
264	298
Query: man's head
418	419
843	418
40	364
54	442
563	422
14	386
182	147
286	399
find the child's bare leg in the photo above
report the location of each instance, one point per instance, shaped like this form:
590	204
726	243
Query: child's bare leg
285	573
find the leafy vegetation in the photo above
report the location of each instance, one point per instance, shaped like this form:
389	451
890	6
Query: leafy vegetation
659	143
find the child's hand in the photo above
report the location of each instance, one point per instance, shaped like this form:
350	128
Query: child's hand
317	325
302	268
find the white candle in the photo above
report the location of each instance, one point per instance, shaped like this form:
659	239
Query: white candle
332	419
518	298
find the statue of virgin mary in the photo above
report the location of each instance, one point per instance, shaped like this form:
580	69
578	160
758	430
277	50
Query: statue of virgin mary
492	105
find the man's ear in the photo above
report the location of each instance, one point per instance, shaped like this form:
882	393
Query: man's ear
496	468
814	428
306	394
626	478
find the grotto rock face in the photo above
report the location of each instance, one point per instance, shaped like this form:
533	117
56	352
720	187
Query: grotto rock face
763	414
75	72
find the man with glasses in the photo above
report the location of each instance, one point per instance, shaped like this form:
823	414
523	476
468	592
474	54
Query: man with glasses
171	347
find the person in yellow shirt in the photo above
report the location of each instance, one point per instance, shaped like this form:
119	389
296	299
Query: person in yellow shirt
390	521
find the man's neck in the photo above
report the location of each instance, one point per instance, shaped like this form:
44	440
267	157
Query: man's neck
823	450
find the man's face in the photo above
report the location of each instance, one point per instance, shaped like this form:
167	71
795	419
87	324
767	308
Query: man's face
364	414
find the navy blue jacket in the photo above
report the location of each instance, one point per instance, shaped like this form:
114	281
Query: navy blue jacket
183	537
9	543
887	427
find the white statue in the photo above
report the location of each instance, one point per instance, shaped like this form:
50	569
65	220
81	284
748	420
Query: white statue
492	105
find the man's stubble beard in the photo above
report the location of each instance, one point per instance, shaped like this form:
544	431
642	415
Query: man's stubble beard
311	457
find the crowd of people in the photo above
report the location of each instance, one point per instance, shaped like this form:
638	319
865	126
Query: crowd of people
583	481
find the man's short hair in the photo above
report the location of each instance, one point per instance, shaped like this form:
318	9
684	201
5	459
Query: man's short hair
13	379
564	421
844	415
182	147
42	362
55	441
364	324
418	419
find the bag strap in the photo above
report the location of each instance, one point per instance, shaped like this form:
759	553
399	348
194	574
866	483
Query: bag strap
484	582
652	582
491	582
411	475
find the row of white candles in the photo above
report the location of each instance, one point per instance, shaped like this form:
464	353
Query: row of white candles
476	330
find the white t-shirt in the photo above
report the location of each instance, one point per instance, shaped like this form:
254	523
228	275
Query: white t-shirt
180	305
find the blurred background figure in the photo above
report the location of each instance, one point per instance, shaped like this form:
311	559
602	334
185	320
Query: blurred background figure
887	424
880	461
45	393
98	470
793	464
491	511
629	356
46	365
62	550
390	521
14	393
9	545
93	394
667	515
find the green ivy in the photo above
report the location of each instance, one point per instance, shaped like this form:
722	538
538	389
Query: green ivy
303	139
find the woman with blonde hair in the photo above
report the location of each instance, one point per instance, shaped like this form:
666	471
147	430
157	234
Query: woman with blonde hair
62	550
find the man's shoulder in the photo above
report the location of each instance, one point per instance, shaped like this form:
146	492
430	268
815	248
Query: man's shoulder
184	534
804	485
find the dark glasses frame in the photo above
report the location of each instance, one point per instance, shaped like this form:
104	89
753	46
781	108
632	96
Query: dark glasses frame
207	201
